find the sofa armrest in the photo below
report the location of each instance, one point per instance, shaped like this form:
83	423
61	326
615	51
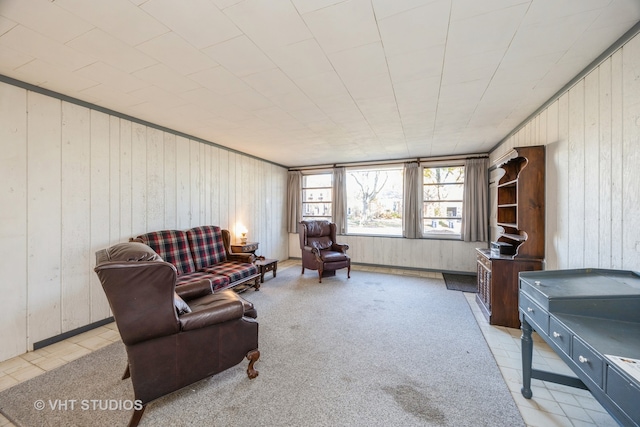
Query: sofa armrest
217	312
193	290
241	257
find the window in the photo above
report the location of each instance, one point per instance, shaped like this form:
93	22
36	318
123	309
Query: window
442	201
316	196
374	201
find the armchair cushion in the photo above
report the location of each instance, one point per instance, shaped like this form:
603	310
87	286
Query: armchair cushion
320	243
212	309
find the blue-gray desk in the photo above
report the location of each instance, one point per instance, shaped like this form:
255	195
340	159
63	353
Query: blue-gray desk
584	315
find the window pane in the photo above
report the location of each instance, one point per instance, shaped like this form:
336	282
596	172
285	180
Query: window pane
316	210
316	195
441	227
316	181
443	210
453	174
443	192
374	201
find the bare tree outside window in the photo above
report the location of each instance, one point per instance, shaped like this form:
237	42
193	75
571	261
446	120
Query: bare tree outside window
374	201
443	193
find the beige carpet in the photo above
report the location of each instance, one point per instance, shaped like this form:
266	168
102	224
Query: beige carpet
373	350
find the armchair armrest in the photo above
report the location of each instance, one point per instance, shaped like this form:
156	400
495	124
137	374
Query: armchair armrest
340	247
193	290
217	312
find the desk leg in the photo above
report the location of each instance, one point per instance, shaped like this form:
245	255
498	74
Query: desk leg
527	353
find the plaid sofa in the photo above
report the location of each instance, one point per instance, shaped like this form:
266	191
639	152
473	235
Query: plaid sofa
203	259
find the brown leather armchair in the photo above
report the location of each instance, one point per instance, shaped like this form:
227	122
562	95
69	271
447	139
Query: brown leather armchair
171	343
320	250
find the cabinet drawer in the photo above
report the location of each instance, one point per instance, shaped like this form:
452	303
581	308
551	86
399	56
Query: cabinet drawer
625	393
560	336
588	361
485	262
535	313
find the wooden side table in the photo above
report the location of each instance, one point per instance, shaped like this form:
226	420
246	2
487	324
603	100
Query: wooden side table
265	265
249	247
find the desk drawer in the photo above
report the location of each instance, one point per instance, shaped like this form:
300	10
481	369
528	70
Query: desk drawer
535	313
560	336
486	262
624	393
588	361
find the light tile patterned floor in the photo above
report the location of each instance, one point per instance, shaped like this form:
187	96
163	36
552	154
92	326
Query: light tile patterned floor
552	405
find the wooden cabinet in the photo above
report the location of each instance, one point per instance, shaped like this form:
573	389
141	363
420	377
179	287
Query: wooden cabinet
519	221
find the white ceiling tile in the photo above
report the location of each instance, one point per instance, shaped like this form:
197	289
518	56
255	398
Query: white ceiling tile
6	24
202	24
173	51
240	56
270	82
542	11
256	17
301	59
109	97
305	6
34	44
157	96
106	48
386	8
12	59
415	29
416	65
220	80
48	19
322	85
362	61
293	101
463	9
57	79
344	25
111	77
164	77
121	18
489	32
250	100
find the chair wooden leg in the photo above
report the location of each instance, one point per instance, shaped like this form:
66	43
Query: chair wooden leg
137	416
349	271
256	286
127	373
319	275
253	357
302	270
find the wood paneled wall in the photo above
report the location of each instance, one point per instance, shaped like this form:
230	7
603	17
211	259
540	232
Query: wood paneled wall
592	137
426	254
74	180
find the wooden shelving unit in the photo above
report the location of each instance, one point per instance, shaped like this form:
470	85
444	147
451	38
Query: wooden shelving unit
520	221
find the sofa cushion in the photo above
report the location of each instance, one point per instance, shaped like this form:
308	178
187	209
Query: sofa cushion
233	270
207	246
173	247
216	281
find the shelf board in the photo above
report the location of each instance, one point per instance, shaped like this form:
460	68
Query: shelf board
509	183
508	205
517	237
508	224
